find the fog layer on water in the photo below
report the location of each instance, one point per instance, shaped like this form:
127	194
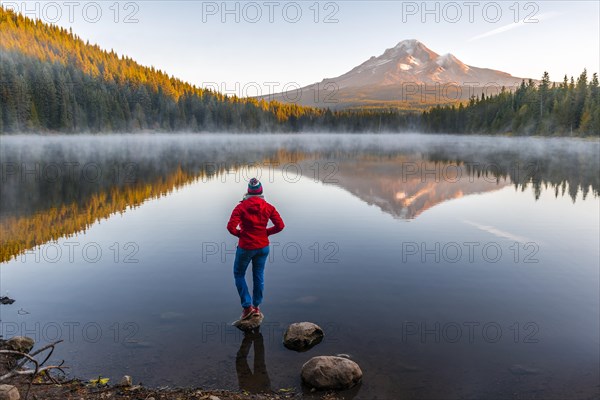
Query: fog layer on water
39	172
143	146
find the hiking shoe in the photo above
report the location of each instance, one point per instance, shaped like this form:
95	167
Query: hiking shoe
247	313
255	310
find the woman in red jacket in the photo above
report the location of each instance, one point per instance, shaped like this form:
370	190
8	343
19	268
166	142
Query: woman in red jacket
249	221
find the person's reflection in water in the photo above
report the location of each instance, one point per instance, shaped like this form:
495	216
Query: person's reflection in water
257	382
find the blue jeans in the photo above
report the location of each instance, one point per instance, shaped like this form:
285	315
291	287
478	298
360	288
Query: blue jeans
240	265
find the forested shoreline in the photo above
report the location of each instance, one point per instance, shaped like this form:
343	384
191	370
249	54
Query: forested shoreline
570	108
54	82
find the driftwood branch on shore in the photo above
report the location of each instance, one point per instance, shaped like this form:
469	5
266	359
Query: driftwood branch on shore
39	368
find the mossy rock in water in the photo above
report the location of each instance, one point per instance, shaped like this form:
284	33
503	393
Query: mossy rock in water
249	324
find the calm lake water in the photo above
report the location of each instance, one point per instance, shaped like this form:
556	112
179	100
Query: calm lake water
447	267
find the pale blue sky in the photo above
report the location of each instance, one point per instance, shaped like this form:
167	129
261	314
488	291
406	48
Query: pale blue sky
189	40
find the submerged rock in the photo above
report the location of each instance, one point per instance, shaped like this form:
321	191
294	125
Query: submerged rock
519	369
409	368
249	324
306	300
136	344
9	392
171	315
302	336
331	373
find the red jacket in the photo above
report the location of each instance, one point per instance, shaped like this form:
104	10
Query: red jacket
252	216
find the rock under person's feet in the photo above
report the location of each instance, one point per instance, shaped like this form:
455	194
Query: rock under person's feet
250	323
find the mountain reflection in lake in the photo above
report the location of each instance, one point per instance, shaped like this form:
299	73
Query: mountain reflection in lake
493	294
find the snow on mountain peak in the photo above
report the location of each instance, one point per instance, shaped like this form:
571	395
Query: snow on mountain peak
408	44
413	60
445	57
448	60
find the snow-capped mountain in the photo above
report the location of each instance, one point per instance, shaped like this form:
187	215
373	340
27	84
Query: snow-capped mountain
412	61
409	75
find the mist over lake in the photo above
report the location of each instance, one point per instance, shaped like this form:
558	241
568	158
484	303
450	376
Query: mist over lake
446	266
